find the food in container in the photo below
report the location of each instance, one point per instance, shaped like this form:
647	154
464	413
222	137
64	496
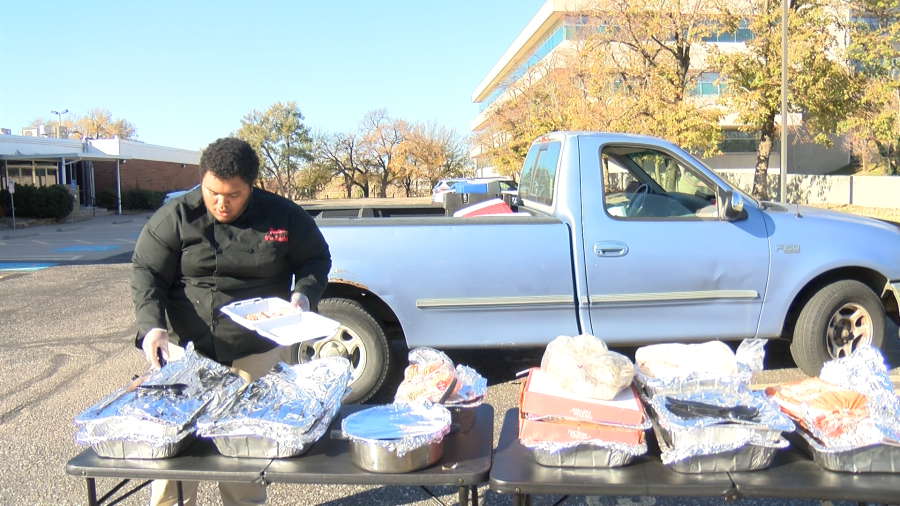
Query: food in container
540	396
684	368
875	458
154	418
275	319
585	367
850	415
430	376
715	423
282	413
396	438
427	379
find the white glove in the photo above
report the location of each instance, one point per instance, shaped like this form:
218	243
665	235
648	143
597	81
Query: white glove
156	343
299	301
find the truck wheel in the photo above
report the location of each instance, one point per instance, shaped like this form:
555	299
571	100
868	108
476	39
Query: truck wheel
838	319
360	339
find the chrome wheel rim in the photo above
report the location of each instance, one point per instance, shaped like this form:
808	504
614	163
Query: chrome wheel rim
850	328
344	343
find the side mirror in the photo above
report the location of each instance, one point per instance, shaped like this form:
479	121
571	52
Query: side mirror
734	205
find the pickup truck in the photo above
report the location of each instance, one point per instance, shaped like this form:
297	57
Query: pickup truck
625	237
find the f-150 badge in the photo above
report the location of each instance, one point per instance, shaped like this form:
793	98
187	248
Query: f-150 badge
787	248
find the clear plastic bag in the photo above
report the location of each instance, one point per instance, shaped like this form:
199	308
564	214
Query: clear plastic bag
430	376
584	366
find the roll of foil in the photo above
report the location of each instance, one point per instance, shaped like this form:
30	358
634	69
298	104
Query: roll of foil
474	386
864	371
291	406
161	413
399	428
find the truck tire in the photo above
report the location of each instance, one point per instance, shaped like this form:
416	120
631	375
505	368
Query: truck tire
838	319
360	339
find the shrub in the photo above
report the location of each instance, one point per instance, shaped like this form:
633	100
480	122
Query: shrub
44	202
106	198
138	199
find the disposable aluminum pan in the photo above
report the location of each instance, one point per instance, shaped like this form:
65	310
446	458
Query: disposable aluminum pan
585	455
749	457
124	449
257	447
879	458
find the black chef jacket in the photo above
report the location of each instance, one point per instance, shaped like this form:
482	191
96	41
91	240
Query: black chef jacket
186	266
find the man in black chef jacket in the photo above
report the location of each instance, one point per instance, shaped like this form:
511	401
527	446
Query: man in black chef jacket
223	242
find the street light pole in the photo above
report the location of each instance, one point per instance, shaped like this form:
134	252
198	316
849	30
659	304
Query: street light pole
59	120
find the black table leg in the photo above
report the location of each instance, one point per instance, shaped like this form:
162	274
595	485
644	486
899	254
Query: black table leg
463	495
521	499
91	491
474	495
180	493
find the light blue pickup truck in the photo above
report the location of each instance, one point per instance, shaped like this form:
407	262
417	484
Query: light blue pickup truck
625	237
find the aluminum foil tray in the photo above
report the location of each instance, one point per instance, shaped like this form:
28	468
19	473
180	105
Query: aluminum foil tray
746	458
719	434
464	416
257	447
583	456
123	449
879	458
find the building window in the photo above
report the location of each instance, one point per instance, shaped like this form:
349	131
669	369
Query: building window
706	84
742	34
736	141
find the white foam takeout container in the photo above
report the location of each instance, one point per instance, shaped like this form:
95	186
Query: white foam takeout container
284	330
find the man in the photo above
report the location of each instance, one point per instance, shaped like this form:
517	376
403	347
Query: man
223	242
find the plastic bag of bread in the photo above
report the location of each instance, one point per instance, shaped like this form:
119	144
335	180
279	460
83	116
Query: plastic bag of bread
681	360
430	376
584	366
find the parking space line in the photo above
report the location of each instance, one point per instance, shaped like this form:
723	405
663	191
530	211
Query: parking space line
40	242
82	242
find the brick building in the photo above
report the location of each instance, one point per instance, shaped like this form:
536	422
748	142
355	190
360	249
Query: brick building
93	165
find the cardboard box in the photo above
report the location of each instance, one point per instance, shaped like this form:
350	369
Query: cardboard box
565	431
538	396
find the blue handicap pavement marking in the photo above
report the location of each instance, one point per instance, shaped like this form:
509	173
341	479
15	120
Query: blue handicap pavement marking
105	247
23	266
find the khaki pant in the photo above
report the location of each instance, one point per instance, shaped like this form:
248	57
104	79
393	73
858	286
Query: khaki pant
165	493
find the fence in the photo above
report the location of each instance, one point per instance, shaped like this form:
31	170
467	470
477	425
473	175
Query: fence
868	191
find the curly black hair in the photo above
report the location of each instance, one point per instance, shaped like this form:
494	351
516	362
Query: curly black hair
229	157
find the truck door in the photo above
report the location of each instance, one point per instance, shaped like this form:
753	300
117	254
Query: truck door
660	263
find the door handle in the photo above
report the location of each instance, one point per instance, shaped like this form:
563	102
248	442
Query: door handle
610	249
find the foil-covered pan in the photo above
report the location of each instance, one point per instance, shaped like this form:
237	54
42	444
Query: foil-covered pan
877	458
462	416
396	438
258	447
587	455
130	448
733	456
721	421
281	414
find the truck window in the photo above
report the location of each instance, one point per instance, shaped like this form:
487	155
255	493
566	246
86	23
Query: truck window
640	182
539	173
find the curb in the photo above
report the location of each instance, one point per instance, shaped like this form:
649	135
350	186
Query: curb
19	236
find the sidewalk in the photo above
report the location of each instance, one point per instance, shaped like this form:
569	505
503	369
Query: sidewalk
6	222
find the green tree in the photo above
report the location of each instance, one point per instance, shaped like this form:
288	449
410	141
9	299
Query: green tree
818	84
283	144
872	54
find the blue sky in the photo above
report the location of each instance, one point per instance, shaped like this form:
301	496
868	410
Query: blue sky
184	73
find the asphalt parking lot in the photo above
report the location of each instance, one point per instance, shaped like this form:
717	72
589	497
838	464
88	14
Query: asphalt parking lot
66	338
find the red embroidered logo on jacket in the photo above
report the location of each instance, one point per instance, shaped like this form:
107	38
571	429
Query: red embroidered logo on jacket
277	235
